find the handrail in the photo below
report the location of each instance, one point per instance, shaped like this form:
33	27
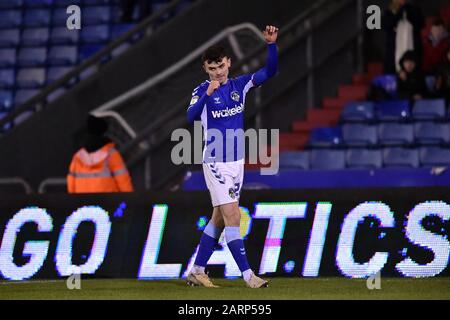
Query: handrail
56	181
42	95
17	180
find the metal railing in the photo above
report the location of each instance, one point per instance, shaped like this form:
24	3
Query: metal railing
17	181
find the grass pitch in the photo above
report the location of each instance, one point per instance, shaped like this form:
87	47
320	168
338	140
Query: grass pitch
279	289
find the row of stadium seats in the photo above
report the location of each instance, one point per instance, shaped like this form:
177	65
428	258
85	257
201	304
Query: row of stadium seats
15	39
383	134
49	3
395	110
332	159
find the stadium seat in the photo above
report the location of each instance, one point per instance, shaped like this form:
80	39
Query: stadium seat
62	35
10	19
118	29
9	4
96	15
358	111
37	3
7	78
364	159
396	110
7	58
359	135
59	16
87	50
32	57
430	133
387	82
400	158
66	3
432	109
62	55
96	2
23	95
55	73
325	137
6	100
434	156
36	18
31	77
9	38
35	37
323	159
95	34
294	160
395	134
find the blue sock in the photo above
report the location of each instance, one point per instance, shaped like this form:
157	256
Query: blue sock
208	242
236	246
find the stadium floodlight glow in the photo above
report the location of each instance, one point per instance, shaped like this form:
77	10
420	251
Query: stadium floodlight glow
277	213
425	239
344	256
64	251
317	240
37	250
149	268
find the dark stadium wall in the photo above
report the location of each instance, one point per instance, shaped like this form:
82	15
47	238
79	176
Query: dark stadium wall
42	146
355	233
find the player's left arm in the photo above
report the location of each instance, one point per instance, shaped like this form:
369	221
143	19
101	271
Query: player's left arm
270	69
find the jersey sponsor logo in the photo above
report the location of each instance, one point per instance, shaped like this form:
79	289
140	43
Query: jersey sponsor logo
235	96
227	112
194	99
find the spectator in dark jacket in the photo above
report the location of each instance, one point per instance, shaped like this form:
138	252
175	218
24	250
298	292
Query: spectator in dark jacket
443	79
435	47
391	18
410	81
145	9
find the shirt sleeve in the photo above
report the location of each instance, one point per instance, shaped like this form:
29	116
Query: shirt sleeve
198	102
271	67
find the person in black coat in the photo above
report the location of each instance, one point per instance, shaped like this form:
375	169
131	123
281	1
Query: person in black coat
410	81
391	18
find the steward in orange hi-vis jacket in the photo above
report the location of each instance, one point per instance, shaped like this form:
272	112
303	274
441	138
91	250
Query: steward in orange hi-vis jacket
98	167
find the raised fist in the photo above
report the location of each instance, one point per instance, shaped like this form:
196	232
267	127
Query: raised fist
213	85
270	34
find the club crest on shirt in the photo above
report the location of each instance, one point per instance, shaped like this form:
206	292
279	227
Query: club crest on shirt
235	96
231	193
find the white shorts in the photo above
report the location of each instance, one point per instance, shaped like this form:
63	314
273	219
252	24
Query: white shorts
224	181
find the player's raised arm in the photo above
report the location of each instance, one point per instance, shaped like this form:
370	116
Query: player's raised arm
270	69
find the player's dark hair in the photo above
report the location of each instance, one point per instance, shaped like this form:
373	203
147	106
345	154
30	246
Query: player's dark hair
214	53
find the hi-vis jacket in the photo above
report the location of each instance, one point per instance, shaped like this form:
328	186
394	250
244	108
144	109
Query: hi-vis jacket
100	171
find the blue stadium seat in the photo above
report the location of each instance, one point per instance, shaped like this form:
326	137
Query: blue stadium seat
358	111
395	134
95	34
55	73
325	137
32	57
62	55
87	50
59	17
396	110
400	158
388	82
434	156
327	159
37	3
7	78
66	3
431	109
118	29
96	15
9	37
7	58
359	135
10	19
6	100
36	18
23	95
294	160
35	37
9	4
31	77
62	35
96	2
430	133
364	159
